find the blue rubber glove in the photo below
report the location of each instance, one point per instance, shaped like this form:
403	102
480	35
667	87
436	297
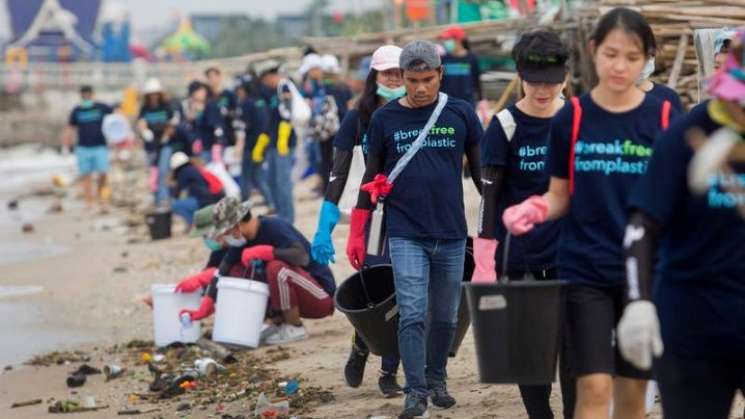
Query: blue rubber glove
322	249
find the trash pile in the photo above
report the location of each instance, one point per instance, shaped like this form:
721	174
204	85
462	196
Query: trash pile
204	376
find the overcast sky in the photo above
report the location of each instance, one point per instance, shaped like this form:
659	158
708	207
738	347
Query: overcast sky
149	13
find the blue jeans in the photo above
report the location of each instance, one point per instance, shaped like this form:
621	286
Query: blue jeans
185	207
252	176
427	275
162	192
280	184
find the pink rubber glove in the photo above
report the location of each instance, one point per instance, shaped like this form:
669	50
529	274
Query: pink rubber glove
195	282
217	153
261	252
521	218
205	309
152	180
483	255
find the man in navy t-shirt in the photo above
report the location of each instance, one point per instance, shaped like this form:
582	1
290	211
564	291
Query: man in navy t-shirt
91	151
425	219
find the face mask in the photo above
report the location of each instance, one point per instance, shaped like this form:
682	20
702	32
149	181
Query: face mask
234	242
212	245
86	103
449	45
646	71
390	94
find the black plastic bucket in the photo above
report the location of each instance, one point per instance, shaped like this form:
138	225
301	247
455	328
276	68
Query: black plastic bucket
159	224
516	328
464	318
377	323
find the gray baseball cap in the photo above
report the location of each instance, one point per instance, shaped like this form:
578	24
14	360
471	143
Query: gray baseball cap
423	51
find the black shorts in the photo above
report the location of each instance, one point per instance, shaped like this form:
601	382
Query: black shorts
698	388
591	317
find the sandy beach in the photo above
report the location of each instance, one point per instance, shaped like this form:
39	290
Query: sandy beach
87	296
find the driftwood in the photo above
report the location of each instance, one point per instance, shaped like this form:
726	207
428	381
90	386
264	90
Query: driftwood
672	82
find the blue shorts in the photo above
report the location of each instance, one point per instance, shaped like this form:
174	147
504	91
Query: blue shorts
92	159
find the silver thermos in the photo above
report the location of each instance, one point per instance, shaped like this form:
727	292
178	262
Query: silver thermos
376	236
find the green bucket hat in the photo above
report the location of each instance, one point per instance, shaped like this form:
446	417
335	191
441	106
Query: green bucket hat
203	221
226	214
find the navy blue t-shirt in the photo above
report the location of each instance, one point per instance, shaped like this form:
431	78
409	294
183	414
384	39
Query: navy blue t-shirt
88	120
227	101
282	235
342	95
254	114
156	117
190	179
271	99
427	197
207	124
663	93
351	133
699	285
612	152
461	77
522	159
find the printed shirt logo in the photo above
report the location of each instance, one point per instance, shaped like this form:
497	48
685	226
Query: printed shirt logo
156	117
457	69
726	190
532	159
438	137
89	115
617	156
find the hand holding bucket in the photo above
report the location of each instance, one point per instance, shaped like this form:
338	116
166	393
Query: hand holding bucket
484	251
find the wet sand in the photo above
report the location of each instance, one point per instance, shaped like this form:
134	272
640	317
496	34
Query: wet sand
91	300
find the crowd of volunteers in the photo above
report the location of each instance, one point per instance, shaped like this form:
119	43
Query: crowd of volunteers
596	190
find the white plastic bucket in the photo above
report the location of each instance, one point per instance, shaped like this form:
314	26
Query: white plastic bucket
167	326
240	310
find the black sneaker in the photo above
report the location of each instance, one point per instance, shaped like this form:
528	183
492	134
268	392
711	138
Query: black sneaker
388	385
414	407
440	396
354	371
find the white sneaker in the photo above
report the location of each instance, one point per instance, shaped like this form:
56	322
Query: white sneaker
287	333
266	331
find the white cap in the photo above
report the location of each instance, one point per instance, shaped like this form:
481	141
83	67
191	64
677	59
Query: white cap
310	61
178	159
330	64
152	85
385	58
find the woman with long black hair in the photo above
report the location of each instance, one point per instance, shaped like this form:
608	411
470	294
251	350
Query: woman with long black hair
383	83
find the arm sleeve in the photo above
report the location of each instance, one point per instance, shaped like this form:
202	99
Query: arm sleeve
640	244
473	156
491	178
476	77
339	175
472	146
557	163
295	255
375	160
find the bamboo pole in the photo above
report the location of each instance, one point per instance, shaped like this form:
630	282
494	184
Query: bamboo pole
672	82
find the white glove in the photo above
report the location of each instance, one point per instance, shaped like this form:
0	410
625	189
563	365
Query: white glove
147	135
639	334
